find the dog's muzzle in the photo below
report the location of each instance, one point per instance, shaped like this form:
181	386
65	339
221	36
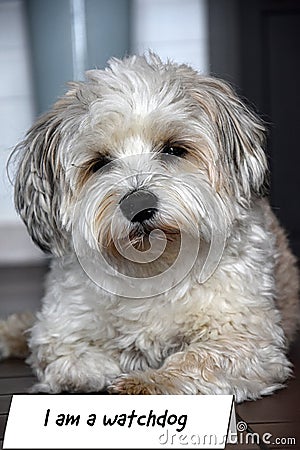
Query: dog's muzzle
139	206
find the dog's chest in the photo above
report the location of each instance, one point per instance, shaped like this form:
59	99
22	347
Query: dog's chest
144	338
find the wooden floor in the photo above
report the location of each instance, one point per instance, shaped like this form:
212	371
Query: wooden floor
277	415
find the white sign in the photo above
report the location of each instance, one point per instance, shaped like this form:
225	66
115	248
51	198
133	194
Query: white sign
116	421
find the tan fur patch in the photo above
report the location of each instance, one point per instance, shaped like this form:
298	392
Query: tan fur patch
13	335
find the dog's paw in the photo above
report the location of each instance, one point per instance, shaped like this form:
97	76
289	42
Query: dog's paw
133	385
42	388
143	383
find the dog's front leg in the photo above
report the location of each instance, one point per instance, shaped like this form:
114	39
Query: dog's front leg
247	371
66	359
85	370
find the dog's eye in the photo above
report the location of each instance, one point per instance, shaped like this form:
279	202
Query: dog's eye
174	150
99	163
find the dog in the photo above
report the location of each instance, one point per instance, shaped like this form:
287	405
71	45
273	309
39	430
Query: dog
170	273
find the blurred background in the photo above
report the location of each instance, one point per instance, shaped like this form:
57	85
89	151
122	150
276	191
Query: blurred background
254	44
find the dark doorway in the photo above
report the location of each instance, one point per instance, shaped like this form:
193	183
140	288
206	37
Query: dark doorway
255	44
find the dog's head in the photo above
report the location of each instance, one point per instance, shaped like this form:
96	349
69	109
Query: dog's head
140	146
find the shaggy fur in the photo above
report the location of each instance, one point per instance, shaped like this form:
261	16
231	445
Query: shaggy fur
220	327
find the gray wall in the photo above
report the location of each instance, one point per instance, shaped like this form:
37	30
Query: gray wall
108	30
50	35
49	27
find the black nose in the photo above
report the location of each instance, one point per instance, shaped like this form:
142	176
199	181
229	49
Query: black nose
139	206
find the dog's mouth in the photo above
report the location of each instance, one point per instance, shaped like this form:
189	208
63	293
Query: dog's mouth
147	248
140	235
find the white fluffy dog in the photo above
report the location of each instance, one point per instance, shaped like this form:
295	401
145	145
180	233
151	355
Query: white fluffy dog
170	273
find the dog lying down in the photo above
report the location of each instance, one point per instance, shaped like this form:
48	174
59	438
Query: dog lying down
170	273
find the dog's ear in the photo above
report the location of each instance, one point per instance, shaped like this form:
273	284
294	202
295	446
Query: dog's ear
240	136
39	183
